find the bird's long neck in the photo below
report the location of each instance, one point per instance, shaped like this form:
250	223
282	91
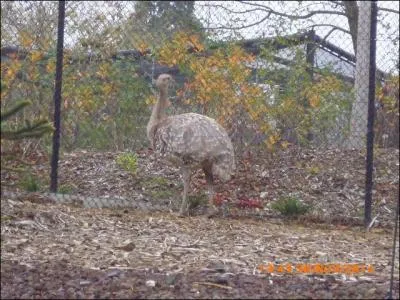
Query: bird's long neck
158	112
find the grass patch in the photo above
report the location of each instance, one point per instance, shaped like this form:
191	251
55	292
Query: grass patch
314	170
156	182
29	183
290	206
7	218
128	162
200	199
65	189
159	187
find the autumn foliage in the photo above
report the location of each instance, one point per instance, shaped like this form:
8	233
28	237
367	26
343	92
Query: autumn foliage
221	82
99	98
105	102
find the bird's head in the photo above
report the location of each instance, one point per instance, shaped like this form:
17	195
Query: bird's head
164	81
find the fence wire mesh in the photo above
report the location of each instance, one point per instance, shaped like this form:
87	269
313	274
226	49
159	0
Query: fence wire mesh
276	75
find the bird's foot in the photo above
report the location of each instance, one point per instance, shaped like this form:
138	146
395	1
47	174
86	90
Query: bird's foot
183	213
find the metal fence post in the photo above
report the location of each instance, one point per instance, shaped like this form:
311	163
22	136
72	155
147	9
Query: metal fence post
57	96
371	113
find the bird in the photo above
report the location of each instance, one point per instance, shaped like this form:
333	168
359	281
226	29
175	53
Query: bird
190	141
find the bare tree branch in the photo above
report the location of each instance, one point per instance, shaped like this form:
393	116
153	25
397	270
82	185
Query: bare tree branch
351	10
267	10
334	27
295	17
270	11
329	33
336	3
235	12
238	27
388	10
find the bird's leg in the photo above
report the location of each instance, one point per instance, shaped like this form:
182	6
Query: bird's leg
186	182
211	209
210	186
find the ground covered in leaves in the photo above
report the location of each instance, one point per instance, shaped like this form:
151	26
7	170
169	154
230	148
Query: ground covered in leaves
54	250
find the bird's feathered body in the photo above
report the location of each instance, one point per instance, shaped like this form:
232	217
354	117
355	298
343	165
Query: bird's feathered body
190	141
194	140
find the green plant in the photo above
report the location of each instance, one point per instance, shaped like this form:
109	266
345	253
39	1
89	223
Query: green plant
290	206
156	182
198	200
158	187
65	189
305	109
29	183
128	161
34	129
313	170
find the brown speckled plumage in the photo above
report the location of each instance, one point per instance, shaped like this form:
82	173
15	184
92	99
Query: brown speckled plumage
190	141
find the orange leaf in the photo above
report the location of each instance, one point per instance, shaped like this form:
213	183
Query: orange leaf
25	39
35	56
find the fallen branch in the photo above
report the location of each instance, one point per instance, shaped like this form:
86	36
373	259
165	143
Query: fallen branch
214	285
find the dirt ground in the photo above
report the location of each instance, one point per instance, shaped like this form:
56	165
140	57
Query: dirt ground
53	250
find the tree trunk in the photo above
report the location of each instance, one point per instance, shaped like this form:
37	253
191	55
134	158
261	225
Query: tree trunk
351	10
359	114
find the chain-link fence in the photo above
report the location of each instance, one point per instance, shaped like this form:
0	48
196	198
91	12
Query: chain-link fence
275	74
313	120
299	58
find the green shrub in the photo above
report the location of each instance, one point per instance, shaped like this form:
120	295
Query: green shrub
29	183
290	206
200	199
65	189
129	162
